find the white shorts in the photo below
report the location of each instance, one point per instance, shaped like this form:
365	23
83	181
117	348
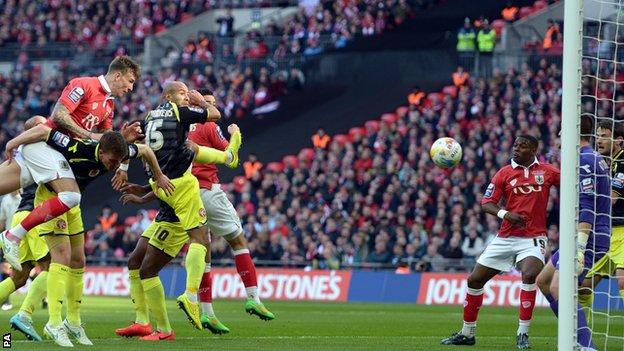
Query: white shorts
41	164
503	253
221	216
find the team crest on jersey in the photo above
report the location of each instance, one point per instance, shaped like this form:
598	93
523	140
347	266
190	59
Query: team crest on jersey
539	179
76	94
202	212
61	224
93	173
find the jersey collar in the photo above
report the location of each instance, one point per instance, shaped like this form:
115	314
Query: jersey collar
104	84
515	165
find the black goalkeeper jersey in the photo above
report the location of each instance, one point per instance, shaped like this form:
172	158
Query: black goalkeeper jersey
166	128
28	198
617	186
82	156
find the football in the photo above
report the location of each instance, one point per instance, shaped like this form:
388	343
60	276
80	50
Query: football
446	152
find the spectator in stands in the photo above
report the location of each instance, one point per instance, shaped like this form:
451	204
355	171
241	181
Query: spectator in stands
466	44
225	24
473	244
486	41
460	77
510	12
252	166
416	97
108	218
320	140
381	255
552	35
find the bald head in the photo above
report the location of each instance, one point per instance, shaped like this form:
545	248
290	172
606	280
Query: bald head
176	92
34	121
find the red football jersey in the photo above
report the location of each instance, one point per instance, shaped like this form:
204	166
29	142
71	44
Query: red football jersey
89	102
526	192
207	134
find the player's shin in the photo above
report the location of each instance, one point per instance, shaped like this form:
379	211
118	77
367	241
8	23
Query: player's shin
57	280
247	271
7	287
75	285
36	292
474	300
205	292
155	298
527	304
138	297
586	300
195	265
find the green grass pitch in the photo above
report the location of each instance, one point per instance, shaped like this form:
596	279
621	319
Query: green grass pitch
314	326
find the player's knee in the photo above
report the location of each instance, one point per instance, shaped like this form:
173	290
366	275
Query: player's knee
70	198
475	282
77	261
620	281
134	261
542	283
529	277
20	278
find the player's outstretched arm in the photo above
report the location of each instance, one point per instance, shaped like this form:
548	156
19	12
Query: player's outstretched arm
513	218
63	119
32	135
196	99
162	181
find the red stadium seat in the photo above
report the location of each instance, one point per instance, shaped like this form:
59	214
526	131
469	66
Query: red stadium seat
357	131
185	17
498	26
290	161
450	90
525	11
402	111
341	139
389	118
159	28
372	127
276	167
151	214
130	220
307	154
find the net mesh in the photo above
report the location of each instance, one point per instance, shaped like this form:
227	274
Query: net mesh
602	99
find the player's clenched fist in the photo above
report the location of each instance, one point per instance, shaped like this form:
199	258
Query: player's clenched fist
515	219
233	128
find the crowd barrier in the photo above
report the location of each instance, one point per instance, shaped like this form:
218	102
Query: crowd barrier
355	286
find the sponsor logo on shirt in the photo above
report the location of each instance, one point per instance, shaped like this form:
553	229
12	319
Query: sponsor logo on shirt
587	185
220	133
60	139
93	173
618	181
76	94
197	109
489	191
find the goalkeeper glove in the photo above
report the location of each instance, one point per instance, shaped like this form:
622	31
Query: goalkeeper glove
581	243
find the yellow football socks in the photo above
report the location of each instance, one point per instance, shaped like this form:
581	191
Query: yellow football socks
138	297
194	264
57	280
75	285
586	301
7	287
36	292
155	299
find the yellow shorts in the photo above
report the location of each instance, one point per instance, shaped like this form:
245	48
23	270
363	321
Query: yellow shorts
185	201
32	247
614	259
167	237
69	223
